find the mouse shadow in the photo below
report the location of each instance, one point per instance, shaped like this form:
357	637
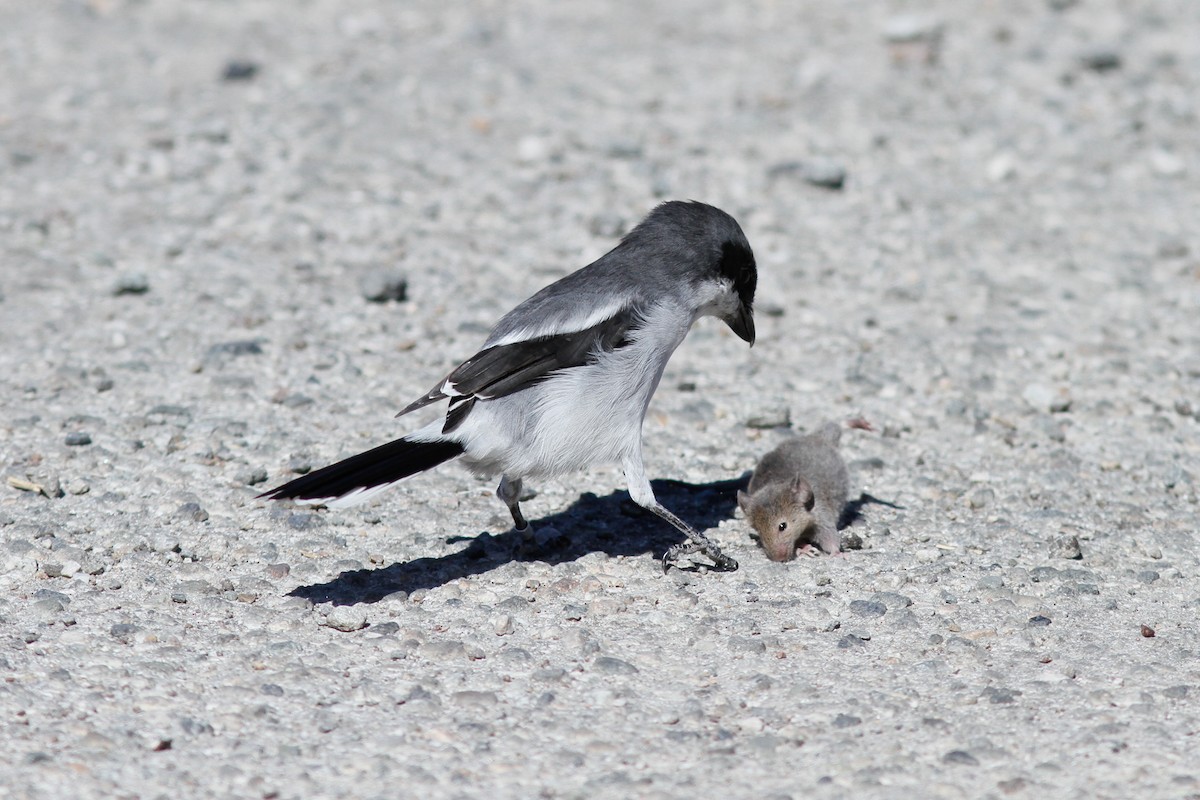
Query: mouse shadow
612	524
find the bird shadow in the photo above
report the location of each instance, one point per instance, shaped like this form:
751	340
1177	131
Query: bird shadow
852	511
612	524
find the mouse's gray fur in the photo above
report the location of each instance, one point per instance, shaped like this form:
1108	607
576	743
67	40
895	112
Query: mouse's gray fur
797	493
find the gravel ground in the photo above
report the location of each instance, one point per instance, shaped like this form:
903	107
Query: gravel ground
975	224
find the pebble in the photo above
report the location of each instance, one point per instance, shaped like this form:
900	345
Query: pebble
1066	547
867	608
613	666
824	173
907	28
384	286
893	600
1166	164
1044	398
123	632
131	283
277	571
192	512
851	540
770	418
346	618
1100	59
46	610
78	439
502	625
474	699
846	721
821	172
239	70
442	650
960	757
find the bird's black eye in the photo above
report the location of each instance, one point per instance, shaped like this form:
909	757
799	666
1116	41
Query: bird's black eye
783	526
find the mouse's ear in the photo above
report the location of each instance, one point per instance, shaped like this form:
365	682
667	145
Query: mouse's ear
803	493
743	501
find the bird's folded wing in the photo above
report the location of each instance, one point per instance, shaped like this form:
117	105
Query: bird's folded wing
506	368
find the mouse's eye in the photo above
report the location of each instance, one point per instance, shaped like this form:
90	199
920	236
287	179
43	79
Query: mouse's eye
783	525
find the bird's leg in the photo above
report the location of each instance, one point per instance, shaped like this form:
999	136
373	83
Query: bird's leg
509	491
643	495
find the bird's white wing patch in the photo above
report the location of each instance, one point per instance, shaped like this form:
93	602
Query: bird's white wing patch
556	326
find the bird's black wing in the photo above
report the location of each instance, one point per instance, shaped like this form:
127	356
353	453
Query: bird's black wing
507	368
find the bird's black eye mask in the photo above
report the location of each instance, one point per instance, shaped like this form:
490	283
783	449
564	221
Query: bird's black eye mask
737	265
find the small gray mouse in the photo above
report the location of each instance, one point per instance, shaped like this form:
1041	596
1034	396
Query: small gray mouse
798	491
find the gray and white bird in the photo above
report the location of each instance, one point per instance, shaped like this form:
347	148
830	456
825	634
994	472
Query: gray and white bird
564	379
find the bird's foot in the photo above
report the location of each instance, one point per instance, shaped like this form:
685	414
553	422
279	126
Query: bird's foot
721	562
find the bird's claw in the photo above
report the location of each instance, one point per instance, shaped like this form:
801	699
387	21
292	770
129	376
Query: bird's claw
721	562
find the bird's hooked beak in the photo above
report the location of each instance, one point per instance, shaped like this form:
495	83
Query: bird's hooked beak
741	322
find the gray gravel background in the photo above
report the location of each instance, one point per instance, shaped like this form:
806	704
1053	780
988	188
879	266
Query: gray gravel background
1007	283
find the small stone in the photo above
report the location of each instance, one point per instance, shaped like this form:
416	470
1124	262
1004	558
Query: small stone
850	641
867	608
1000	696
241	347
46	610
192	512
474	699
384	286
770	418
1100	59
1148	632
123	632
1166	164
346	618
278	571
1175	248
1044	398
299	466
747	644
909	28
613	666
846	721
981	497
251	477
1067	547
1148	576
851	541
533	149
447	650
1039	621
960	757
131	283
78	439
271	689
386	629
1002	167
824	173
239	69
502	625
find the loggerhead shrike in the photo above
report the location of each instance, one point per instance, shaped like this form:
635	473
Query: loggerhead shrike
564	379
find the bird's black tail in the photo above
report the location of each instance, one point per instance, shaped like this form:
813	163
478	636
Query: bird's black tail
352	479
